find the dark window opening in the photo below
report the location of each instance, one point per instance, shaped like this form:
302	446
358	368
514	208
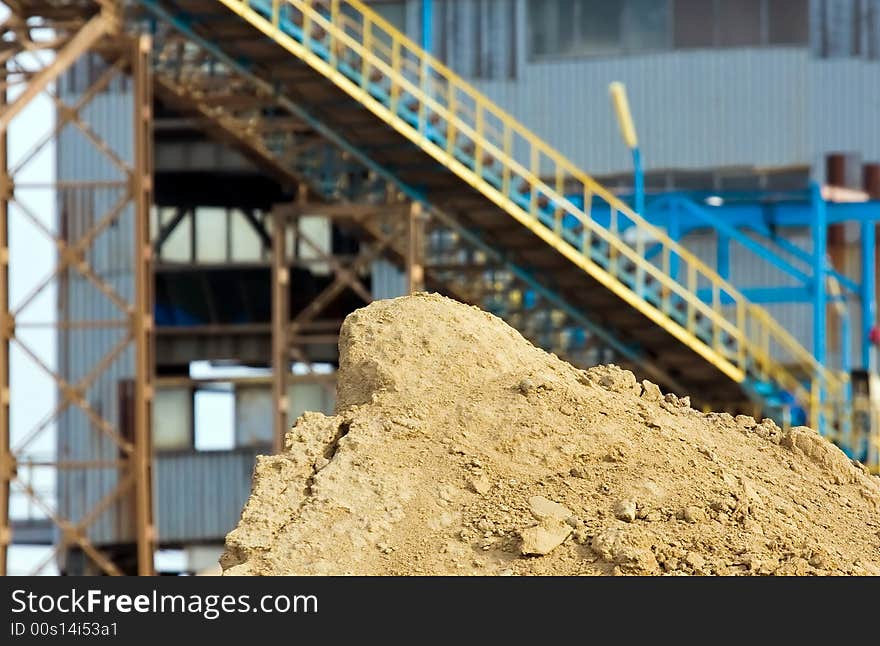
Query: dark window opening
613	27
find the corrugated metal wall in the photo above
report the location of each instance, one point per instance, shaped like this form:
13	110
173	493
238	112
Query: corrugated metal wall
772	106
844	98
109	115
387	280
198	496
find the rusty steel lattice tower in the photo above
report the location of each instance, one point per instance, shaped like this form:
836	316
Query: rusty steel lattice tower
100	241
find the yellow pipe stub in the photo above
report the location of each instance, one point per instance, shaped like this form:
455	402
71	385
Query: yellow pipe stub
624	116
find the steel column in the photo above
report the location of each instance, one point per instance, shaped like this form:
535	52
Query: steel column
723	259
7	462
280	324
673	230
819	231
868	291
820	302
427	25
415	271
142	323
129	494
638	181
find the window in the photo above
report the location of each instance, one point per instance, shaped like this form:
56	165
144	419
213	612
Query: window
720	180
787	22
575	27
597	27
694	23
394	11
594	27
611	27
645	25
214	417
848	28
739	22
476	38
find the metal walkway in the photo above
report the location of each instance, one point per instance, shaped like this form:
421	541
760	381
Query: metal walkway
415	118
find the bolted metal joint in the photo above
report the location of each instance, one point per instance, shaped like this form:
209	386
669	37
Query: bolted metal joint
8	467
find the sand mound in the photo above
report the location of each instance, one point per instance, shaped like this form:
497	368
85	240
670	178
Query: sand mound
460	448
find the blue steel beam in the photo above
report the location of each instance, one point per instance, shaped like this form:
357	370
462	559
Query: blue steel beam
820	241
723	255
768	295
664	213
784	214
698	217
427	25
868	291
639	181
722	226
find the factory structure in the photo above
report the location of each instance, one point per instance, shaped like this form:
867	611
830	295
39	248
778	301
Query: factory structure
231	178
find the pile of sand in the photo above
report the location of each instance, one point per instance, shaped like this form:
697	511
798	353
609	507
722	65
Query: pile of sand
460	448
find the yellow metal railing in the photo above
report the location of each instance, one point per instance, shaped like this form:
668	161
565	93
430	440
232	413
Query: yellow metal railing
358	50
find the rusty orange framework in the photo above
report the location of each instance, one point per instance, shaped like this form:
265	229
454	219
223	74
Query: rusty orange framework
393	230
55	44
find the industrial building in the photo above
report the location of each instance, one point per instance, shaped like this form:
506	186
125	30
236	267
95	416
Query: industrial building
231	178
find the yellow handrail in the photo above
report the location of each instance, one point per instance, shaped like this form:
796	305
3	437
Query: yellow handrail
460	111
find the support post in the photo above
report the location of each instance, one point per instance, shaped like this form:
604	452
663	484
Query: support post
6	460
820	300
638	181
415	271
868	291
280	324
846	342
723	255
870	237
142	179
673	230
427	24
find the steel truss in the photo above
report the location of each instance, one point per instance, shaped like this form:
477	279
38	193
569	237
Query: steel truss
59	39
273	130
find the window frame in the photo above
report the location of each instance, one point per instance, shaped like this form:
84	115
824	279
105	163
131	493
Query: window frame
670	46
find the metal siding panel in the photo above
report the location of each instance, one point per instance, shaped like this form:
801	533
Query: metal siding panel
844	96
199	495
771	106
387	280
692	109
109	116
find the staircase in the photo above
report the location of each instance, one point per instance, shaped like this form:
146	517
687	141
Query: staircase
196	78
414	117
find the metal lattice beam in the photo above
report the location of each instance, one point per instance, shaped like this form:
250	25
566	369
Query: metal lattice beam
123	54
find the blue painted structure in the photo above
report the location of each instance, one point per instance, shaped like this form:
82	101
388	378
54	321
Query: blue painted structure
638	181
765	217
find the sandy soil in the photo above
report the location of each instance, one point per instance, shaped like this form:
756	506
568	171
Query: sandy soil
460	448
